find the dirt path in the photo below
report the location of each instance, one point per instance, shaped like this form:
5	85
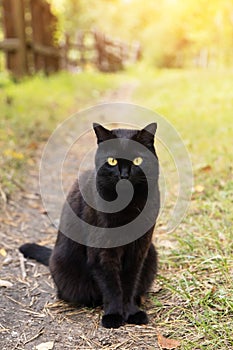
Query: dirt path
30	313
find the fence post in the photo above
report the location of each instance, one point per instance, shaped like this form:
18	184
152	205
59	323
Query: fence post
100	48
37	32
15	28
65	52
52	63
43	29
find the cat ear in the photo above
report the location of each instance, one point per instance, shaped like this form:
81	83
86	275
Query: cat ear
102	134
146	135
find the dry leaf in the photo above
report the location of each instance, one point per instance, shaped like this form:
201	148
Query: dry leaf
45	346
34	205
43	211
8	222
32	196
33	145
3	194
6	284
213	289
199	188
206	168
30	161
221	236
165	243
166	343
3	252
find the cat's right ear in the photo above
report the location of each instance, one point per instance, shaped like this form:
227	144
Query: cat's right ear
146	135
102	134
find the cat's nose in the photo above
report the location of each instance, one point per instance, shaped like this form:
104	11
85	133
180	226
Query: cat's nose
124	176
124	171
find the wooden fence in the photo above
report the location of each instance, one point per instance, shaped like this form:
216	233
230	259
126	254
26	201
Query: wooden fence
29	42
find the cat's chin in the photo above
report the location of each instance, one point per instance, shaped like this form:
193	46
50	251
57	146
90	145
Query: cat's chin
112	321
138	318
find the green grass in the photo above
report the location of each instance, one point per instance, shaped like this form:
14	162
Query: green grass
195	304
32	108
198	103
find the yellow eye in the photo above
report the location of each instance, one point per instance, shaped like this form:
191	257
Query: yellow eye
112	161
137	161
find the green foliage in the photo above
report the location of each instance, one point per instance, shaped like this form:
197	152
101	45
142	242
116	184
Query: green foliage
195	100
173	33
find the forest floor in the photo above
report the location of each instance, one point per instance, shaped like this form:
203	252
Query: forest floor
191	300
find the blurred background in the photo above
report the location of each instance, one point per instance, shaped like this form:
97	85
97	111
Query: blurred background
72	33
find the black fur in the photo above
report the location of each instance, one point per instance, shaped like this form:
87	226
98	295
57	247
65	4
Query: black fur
37	252
115	277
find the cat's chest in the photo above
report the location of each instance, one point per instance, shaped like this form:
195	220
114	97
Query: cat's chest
125	216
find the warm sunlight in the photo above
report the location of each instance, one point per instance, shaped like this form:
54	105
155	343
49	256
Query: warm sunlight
116	174
172	33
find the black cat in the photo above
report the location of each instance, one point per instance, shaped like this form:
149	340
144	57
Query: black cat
116	277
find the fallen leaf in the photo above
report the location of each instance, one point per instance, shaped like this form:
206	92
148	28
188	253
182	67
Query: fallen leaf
43	211
30	161
34	205
213	289
45	346
166	343
199	188
3	194
32	196
221	236
206	168
8	222
165	243
33	145
3	252
8	259
6	284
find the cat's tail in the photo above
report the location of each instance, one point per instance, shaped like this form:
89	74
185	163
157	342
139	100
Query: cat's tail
37	252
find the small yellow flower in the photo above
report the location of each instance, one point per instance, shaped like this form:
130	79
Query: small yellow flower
13	154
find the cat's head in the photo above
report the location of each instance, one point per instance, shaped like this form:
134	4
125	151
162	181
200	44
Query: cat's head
122	159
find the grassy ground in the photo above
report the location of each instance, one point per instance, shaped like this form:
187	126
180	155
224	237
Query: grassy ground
31	109
195	303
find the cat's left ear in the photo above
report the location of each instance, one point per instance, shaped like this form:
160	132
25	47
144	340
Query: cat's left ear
102	134
147	134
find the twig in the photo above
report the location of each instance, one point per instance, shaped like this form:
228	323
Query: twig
22	266
18	185
41	331
86	340
120	344
33	313
3	195
15	301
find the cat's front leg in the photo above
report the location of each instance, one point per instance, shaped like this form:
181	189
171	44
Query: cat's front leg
130	278
106	271
132	313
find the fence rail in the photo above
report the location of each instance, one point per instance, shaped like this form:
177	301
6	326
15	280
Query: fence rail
29	30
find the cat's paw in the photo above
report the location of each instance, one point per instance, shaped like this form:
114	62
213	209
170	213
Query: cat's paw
138	300
139	317
112	321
